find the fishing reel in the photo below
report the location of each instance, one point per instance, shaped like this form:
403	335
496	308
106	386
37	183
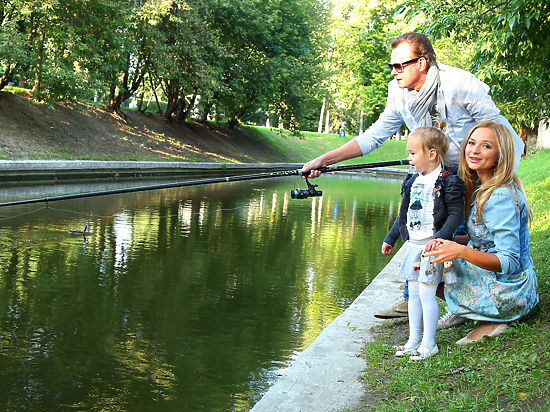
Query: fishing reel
305	193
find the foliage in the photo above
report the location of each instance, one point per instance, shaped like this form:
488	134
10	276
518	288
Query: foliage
231	58
512	48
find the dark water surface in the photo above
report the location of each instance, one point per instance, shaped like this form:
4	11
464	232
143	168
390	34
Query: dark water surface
182	299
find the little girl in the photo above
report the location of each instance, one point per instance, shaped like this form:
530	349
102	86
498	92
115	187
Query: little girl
432	206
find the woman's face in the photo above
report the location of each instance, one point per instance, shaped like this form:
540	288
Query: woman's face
481	152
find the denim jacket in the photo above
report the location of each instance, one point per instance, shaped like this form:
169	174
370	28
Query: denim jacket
466	102
448	207
503	229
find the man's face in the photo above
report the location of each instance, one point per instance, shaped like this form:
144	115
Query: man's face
414	74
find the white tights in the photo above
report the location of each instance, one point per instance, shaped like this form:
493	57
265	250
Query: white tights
422	306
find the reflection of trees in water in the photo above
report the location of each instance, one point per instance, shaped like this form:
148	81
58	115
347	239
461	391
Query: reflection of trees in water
180	293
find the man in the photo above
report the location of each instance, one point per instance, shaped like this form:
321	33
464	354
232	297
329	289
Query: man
342	129
422	90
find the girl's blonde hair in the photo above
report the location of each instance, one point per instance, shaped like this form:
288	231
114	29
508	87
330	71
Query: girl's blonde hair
434	138
503	174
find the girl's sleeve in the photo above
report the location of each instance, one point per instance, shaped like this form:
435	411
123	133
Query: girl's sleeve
501	215
394	232
454	199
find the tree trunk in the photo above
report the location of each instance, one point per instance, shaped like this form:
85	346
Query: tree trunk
327	120
206	112
38	73
232	122
172	98
189	108
140	102
362	122
320	128
181	111
529	137
6	76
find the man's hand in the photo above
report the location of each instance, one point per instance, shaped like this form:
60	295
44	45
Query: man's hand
312	167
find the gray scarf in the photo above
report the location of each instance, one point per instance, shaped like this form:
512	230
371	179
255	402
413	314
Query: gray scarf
423	104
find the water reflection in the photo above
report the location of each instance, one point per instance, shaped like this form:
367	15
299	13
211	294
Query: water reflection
180	299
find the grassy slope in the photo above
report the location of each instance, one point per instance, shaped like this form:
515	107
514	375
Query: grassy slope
510	372
31	130
308	145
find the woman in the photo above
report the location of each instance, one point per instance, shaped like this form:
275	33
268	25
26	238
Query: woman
496	281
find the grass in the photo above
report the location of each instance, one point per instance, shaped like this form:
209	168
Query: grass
510	372
307	145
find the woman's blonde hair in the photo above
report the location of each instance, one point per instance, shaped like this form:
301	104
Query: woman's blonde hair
503	172
434	138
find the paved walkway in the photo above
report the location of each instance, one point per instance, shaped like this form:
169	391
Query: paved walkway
325	377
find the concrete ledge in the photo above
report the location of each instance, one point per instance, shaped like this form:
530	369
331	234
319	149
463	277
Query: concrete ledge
325	377
51	171
20	171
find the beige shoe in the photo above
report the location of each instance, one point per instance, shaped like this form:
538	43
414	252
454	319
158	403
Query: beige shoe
466	340
400	309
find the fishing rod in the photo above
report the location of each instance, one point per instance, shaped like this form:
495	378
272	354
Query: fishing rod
295	194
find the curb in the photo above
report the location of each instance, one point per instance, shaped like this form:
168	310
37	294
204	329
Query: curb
52	171
326	376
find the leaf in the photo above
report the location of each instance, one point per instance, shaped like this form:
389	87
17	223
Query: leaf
521	396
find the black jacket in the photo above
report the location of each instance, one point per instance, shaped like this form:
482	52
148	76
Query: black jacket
448	207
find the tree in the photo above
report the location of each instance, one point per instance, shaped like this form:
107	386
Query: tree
14	38
512	49
360	50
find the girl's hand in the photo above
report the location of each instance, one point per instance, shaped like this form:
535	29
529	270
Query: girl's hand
432	245
445	250
386	249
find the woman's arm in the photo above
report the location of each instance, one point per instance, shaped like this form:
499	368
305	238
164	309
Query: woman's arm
446	250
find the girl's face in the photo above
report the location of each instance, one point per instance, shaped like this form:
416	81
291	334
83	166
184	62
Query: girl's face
421	161
481	152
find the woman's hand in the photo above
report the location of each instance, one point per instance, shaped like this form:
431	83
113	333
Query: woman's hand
386	249
444	250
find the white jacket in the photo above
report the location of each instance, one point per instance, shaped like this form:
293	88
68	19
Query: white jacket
467	102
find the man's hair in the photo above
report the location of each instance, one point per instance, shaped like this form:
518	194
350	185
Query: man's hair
421	46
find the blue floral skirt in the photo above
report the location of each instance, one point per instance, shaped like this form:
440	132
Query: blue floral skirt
480	294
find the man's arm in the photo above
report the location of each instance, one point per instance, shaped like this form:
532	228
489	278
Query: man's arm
347	151
386	125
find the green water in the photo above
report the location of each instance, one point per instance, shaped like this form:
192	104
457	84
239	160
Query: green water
182	299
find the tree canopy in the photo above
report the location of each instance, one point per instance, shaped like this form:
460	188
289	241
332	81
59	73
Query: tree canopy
246	60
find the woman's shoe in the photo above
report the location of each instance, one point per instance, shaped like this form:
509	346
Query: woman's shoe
403	350
419	355
500	329
466	340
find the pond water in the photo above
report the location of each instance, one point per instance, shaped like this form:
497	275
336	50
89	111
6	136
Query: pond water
191	298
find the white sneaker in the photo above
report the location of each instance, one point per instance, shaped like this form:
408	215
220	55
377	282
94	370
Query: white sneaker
450	320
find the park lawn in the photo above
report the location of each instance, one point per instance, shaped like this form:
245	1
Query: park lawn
509	372
304	146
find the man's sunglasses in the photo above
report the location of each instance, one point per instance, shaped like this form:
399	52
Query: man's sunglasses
399	67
